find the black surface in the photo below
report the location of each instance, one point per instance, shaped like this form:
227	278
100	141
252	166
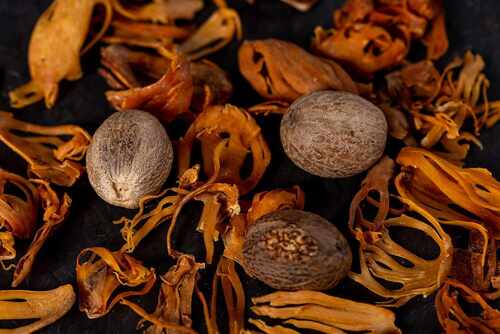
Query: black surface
472	24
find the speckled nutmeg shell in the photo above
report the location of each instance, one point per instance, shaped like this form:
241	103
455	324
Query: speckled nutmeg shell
296	250
130	156
333	134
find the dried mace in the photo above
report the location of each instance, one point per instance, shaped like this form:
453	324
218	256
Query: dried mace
130	157
296	250
333	134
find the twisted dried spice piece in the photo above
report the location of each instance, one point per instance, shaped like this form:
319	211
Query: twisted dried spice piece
49	157
243	137
312	310
55	47
454	319
173	311
162	11
280	70
45	306
103	273
55	213
214	34
166	99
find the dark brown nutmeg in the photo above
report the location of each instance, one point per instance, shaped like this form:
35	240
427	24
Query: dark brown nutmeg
333	134
130	157
296	250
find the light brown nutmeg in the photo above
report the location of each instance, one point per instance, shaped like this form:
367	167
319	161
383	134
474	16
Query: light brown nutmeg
130	156
333	134
296	250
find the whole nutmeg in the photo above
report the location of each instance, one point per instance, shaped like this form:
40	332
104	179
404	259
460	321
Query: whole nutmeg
296	250
333	134
130	156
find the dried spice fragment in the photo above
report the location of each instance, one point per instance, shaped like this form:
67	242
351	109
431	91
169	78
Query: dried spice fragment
242	137
168	98
56	43
104	272
280	70
320	312
161	11
49	156
214	34
454	319
46	307
302	5
56	210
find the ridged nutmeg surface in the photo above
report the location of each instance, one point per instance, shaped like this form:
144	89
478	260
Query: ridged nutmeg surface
333	134
296	250
130	156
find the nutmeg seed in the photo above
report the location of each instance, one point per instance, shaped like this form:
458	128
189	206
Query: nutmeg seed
130	156
333	134
296	250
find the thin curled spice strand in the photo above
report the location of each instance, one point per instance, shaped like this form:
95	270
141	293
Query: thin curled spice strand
214	34
55	47
269	107
103	273
45	307
161	11
453	317
244	137
56	210
316	310
49	157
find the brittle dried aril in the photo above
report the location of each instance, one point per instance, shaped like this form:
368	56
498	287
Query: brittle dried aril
49	156
102	273
55	213
162	11
280	70
55	47
242	136
312	310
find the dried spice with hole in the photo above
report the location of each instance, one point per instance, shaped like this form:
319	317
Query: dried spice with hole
56	43
280	70
46	149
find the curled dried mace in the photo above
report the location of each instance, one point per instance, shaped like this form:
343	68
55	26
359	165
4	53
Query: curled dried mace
280	70
46	307
56	211
454	319
162	11
55	47
49	157
104	272
242	137
312	310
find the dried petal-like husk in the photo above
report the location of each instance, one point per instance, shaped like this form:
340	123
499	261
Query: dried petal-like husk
243	135
280	70
55	47
55	213
302	5
328	314
49	157
214	34
454	319
103	273
166	99
46	307
162	11
7	248
270	201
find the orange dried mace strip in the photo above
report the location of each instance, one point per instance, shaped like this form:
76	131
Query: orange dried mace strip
378	251
242	136
56	43
55	213
49	157
162	11
313	310
280	70
103	273
46	307
173	311
454	319
371	35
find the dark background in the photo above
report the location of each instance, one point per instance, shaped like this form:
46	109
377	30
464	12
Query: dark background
472	24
